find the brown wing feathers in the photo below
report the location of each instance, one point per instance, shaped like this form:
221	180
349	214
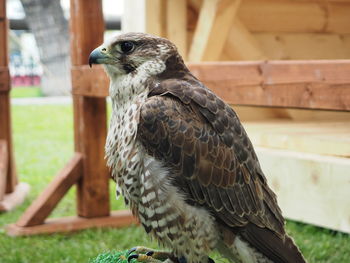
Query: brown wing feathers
201	138
196	151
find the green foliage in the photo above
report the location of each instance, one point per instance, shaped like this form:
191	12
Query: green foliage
26	92
43	140
115	257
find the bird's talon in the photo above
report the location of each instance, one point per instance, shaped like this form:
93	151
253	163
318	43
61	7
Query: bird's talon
135	256
131	250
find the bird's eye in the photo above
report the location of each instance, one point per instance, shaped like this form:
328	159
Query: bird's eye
127	46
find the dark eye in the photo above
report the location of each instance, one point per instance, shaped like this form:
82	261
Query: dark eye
127	46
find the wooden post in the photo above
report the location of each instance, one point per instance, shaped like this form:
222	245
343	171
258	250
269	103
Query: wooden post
5	118
176	25
8	181
90	121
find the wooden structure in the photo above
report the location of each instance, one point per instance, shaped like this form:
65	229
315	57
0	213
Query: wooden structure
303	150
296	111
230	30
12	193
87	168
305	158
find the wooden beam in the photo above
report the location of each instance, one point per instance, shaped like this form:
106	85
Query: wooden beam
87	28
310	188
291	16
330	137
214	23
176	24
299	84
156	17
3	167
88	25
5	115
120	218
15	198
54	192
241	44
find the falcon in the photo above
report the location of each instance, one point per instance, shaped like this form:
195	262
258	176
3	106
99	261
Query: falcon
183	161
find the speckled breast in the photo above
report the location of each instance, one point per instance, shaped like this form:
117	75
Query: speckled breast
123	152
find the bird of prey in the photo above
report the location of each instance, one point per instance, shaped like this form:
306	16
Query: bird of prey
183	161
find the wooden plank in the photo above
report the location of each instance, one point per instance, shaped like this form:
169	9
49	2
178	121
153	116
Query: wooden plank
120	218
304	46
156	17
319	137
176	25
14	198
291	16
90	121
321	71
299	84
241	44
214	23
49	198
310	188
3	168
273	72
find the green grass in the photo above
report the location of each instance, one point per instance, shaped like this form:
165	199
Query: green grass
26	92
43	144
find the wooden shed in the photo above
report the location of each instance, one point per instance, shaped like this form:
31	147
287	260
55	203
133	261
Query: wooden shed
287	75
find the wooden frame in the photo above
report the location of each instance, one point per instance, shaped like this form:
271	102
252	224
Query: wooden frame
295	84
87	168
12	193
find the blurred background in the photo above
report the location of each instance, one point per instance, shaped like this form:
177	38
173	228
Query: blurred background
39	44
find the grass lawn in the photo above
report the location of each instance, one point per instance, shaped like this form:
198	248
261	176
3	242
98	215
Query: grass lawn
43	144
26	92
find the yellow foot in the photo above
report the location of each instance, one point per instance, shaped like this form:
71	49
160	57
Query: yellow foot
148	255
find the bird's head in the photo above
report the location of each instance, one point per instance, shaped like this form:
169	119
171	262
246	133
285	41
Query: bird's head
127	53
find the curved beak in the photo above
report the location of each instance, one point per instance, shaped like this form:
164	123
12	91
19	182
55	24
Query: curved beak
97	57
